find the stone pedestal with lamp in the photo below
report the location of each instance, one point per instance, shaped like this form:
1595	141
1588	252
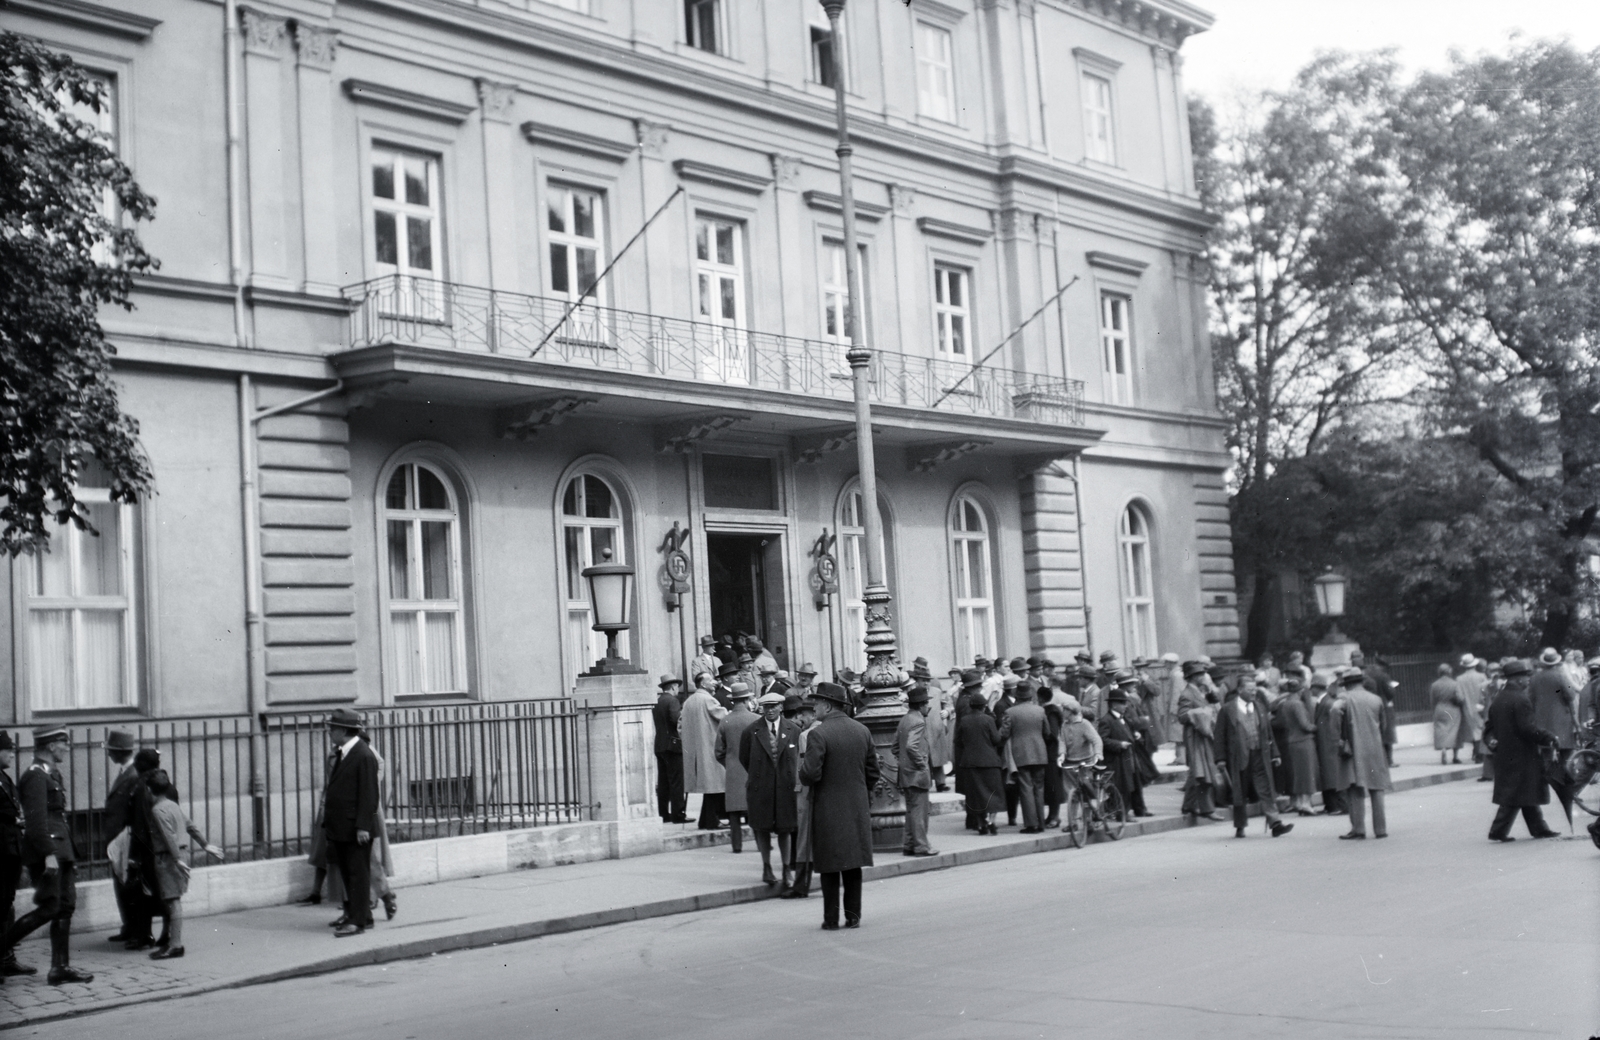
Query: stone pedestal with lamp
614	698
1333	650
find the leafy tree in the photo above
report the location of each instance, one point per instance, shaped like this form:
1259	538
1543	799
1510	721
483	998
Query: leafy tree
1302	327
62	256
1496	253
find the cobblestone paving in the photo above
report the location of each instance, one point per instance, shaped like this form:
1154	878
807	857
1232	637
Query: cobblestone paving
118	974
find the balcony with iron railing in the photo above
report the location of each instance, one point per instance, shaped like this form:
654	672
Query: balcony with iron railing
403	310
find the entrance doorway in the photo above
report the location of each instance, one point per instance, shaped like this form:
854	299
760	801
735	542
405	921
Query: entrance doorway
746	586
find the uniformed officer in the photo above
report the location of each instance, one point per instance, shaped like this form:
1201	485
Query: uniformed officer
47	851
10	853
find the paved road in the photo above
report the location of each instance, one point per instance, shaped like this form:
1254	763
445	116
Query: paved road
1433	932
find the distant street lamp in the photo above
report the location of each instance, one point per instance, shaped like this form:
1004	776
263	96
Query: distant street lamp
611	597
1333	649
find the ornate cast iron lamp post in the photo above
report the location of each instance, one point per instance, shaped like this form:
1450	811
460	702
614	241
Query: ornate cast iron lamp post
883	707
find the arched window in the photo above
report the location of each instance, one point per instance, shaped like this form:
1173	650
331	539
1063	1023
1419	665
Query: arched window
853	571
974	579
591	522
1138	600
427	629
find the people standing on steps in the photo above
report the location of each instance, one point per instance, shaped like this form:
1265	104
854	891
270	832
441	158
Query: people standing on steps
702	773
706	662
725	748
48	853
671	802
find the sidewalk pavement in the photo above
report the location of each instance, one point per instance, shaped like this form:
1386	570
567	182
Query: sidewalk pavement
255	946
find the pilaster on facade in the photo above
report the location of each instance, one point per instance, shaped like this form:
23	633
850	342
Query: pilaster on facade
1052	565
307	550
496	102
315	51
1214	549
268	149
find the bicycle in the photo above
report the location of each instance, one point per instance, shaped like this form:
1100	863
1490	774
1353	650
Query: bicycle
1584	767
1092	804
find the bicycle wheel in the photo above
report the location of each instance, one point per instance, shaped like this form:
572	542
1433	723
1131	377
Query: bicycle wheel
1075	818
1113	815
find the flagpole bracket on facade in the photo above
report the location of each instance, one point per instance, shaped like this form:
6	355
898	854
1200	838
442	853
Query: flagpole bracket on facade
681	439
524	421
925	457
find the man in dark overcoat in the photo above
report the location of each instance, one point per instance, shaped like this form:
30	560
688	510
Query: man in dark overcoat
11	830
671	802
1246	753
350	811
1519	746
119	749
1333	803
769	753
48	853
1119	740
841	768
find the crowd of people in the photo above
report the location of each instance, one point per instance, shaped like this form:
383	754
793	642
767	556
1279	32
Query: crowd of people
149	850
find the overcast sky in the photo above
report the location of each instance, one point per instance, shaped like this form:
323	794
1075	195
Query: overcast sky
1259	44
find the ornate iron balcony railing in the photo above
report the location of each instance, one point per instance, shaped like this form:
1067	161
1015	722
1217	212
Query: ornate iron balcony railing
445	315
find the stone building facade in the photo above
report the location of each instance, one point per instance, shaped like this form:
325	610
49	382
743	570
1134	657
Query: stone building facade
392	413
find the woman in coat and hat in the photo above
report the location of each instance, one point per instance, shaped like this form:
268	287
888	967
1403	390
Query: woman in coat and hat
1197	714
730	730
1298	712
1448	732
980	763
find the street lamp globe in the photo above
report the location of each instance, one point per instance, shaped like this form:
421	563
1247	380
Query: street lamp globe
1330	594
610	597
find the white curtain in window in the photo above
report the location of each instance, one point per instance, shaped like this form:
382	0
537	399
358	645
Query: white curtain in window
591	522
426	624
1138	602
974	580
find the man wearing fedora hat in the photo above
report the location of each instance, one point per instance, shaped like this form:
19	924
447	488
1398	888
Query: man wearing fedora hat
938	729
702	773
730	730
1121	744
805	679
1246	754
841	768
11	831
769	753
47	851
350	810
1519	745
1197	713
671	802
706	661
1555	710
119	747
913	775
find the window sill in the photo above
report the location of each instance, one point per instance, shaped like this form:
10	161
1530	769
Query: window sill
443	700
117	712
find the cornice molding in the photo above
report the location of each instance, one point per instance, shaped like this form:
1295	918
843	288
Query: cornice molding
1111	262
362	90
721	177
86	15
1165	21
830	203
549	40
956	232
573	141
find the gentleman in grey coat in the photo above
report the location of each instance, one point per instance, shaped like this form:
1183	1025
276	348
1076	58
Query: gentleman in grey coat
841	768
1023	731
1519	745
1363	768
913	776
1555	710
